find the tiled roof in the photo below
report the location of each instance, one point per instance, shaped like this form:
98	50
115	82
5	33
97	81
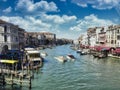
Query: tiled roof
40	33
2	22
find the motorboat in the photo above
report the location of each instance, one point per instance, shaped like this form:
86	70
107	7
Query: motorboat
43	54
79	51
61	58
70	57
34	58
83	53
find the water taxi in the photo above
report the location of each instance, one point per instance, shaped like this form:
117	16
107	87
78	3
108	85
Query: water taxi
70	57
61	58
33	58
43	54
83	53
79	51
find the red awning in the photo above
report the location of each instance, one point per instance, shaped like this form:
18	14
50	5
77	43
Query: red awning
91	46
117	50
99	48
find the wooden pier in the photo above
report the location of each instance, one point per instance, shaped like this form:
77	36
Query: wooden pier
9	73
2	80
12	76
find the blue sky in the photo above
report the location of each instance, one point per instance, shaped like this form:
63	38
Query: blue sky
65	18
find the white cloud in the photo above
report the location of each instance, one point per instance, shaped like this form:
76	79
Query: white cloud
28	23
98	4
58	19
75	28
63	0
7	10
37	7
62	26
118	9
42	23
4	0
90	21
50	23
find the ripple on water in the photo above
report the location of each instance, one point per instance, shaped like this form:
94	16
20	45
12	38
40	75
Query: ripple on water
85	73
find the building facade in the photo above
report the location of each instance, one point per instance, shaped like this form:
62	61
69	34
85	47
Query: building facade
91	32
113	36
40	38
11	37
102	36
118	36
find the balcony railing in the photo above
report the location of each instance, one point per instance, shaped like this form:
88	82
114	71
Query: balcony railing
102	40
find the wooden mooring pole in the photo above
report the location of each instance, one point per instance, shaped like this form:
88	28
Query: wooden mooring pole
2	79
30	83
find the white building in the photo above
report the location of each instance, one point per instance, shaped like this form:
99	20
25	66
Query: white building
85	40
113	36
9	38
118	36
91	32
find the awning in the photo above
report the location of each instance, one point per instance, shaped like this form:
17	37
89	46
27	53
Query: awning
101	48
8	61
117	50
91	47
98	48
106	48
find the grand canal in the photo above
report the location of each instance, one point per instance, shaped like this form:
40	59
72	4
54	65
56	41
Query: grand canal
85	73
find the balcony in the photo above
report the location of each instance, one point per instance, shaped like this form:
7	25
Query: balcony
102	32
102	36
102	40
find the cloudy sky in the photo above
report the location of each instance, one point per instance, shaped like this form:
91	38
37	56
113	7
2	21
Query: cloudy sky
65	18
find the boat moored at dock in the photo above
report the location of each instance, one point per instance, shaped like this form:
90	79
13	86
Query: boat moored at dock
33	58
79	51
83	53
43	54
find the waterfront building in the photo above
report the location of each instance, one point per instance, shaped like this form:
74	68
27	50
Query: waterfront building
50	38
9	36
96	36
118	36
91	32
40	38
64	41
85	41
31	39
102	36
108	36
21	38
80	39
113	36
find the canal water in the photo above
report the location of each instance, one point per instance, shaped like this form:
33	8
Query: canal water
85	73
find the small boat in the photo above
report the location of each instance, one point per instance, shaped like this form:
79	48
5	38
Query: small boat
43	54
95	55
99	55
70	57
102	56
83	53
79	51
61	58
34	58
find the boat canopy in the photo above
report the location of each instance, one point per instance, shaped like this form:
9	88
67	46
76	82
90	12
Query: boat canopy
8	61
33	52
